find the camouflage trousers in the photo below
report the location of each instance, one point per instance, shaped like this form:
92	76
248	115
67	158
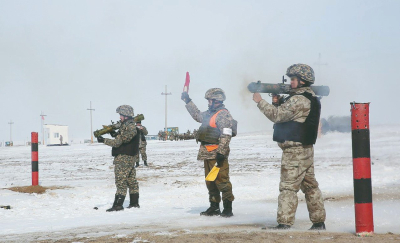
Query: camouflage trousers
297	172
125	175
143	153
221	183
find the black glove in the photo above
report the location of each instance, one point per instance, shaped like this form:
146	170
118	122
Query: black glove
100	139
220	160
280	101
113	134
185	97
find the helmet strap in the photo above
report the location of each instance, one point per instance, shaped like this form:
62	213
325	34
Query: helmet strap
215	104
306	84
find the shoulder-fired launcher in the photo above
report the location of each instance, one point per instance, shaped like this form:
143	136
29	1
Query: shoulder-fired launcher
281	88
115	126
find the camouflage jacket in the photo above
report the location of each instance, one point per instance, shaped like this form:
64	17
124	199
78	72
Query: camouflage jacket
223	120
126	132
296	108
143	130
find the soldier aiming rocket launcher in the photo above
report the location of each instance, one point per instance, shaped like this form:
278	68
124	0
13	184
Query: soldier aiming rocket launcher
276	89
115	126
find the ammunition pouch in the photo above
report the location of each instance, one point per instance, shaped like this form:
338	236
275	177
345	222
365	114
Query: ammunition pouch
207	134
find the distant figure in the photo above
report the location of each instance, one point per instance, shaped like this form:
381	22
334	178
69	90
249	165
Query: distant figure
61	138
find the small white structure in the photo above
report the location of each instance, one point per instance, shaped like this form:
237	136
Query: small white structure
55	134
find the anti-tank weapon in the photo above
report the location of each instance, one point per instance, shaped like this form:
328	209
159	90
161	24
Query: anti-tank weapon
282	88
107	129
115	126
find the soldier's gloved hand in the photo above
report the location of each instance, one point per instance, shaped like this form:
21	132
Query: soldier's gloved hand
100	139
275	100
185	97
113	134
220	160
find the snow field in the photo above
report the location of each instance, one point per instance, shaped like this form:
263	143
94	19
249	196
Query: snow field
173	192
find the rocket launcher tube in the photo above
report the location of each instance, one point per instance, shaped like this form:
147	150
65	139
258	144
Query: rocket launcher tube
258	87
115	126
138	118
107	129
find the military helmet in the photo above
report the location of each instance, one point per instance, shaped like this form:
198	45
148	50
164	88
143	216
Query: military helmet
215	94
303	71
125	110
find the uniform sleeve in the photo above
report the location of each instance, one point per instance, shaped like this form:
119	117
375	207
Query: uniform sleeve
291	110
125	136
144	131
224	124
194	111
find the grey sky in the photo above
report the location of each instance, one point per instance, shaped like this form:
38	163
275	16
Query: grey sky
57	56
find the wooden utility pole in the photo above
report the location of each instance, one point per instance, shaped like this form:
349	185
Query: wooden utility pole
91	125
11	122
165	129
42	115
319	64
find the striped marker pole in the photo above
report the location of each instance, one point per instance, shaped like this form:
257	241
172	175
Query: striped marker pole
35	158
362	168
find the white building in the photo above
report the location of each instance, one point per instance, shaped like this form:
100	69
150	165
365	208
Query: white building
55	134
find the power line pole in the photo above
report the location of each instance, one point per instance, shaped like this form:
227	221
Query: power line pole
319	64
42	115
165	129
91	125
11	130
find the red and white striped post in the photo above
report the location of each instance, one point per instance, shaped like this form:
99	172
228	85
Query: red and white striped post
362	169
35	158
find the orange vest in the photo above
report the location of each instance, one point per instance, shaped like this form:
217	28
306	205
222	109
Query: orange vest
209	133
213	124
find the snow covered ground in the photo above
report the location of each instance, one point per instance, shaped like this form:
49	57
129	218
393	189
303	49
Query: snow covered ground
173	192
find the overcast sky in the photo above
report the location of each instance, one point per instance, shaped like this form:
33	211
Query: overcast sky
57	56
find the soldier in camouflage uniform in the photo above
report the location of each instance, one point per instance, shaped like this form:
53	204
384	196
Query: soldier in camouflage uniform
215	134
296	121
125	148
143	143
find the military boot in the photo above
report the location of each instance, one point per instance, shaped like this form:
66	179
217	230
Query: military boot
212	210
281	227
117	205
134	201
227	212
145	163
137	164
318	226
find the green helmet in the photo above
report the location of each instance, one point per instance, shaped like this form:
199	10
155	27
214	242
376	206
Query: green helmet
302	71
215	94
125	110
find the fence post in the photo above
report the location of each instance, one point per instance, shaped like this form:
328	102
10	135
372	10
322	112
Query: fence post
35	158
362	169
